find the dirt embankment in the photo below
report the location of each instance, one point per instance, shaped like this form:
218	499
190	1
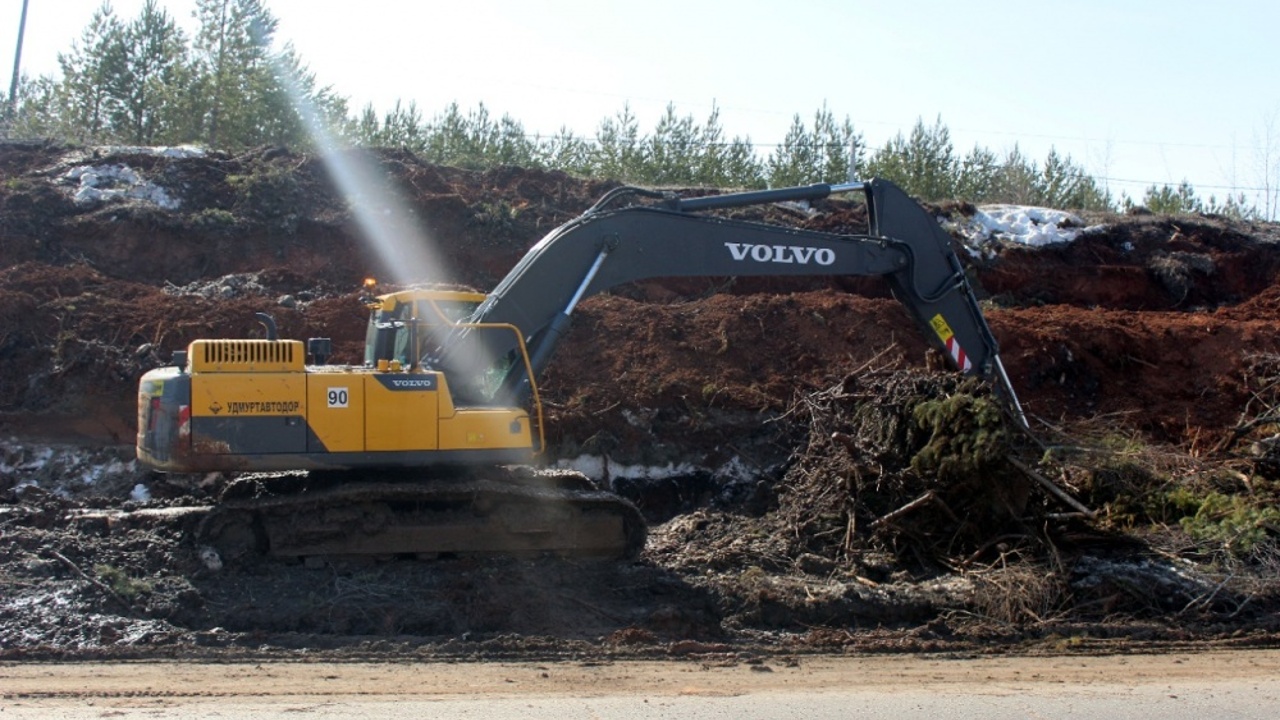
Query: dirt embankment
836	487
1151	318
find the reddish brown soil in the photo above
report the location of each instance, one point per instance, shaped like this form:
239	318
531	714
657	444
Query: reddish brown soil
1087	328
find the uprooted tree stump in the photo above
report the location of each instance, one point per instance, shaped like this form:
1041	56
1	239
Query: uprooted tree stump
914	463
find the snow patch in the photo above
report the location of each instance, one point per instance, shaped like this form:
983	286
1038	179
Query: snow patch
736	471
600	469
174	151
650	472
143	632
210	558
597	468
590	465
101	183
68	470
1172	583
1019	224
16	461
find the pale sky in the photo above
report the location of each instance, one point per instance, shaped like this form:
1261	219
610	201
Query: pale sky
1156	91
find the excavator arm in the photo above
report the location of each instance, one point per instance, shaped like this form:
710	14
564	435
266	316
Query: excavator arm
672	237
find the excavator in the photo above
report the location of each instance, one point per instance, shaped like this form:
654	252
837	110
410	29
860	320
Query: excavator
427	449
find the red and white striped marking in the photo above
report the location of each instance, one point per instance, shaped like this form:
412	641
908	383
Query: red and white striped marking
948	338
958	355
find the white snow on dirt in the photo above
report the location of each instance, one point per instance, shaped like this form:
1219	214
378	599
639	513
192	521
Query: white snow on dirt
994	225
69	470
176	151
96	184
603	469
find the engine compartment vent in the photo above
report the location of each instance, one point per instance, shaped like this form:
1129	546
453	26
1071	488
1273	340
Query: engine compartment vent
246	356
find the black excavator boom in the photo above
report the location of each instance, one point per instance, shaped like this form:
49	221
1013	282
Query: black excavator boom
673	237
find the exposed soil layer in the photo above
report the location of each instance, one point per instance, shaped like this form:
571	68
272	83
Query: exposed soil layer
872	503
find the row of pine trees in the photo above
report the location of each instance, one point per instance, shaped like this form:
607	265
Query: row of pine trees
143	81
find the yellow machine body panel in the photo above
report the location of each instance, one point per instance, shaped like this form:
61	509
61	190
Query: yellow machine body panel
252	404
354	411
402	411
485	428
248	413
336	411
340	416
248	394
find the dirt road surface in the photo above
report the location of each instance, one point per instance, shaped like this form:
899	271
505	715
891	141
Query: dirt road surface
1243	684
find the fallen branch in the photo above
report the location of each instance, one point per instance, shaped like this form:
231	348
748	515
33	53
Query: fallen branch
1052	487
973	557
608	409
1204	600
924	499
867	365
90	579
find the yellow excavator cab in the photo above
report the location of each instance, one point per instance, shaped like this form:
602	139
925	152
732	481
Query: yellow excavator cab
424	313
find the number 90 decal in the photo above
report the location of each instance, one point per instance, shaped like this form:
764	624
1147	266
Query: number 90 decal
338	397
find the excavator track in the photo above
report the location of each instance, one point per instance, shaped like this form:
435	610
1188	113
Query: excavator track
509	512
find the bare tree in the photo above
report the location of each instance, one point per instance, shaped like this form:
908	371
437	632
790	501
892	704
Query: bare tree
1266	146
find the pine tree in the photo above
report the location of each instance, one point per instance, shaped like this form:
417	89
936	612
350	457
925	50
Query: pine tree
979	173
402	126
1018	181
154	71
511	146
672	154
285	99
247	95
741	167
447	137
566	151
37	109
92	75
1168	200
890	162
924	165
1236	207
1059	181
795	161
839	149
476	141
618	152
232	49
710	152
725	164
931	160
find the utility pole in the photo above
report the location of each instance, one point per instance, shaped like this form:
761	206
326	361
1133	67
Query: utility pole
17	62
